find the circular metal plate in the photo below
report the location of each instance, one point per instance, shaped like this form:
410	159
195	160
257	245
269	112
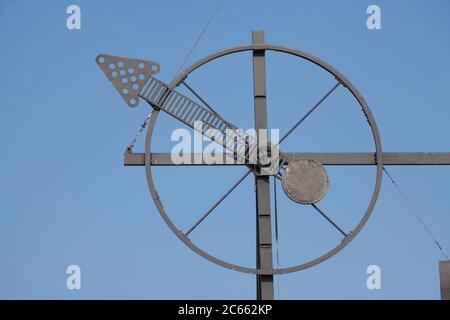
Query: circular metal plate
305	181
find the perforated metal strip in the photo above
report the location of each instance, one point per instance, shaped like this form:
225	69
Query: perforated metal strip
190	113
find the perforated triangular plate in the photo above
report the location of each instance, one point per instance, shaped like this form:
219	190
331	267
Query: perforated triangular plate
127	75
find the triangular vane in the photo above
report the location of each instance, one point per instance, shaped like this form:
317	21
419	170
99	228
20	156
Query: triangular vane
128	76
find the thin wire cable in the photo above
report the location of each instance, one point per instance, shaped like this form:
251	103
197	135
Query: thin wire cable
276	212
414	211
216	10
144	124
275	203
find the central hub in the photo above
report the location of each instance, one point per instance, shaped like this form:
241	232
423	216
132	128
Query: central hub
265	155
268	159
305	181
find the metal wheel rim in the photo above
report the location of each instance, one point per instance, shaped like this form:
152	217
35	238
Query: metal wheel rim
356	94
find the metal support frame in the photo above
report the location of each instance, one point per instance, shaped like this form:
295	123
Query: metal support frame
156	93
264	283
444	276
325	158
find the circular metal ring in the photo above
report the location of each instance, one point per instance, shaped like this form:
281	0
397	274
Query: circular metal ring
339	77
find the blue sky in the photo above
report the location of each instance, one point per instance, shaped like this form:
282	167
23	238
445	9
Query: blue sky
65	197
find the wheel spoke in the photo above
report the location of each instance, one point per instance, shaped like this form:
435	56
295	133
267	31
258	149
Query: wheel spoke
215	205
203	101
308	113
328	219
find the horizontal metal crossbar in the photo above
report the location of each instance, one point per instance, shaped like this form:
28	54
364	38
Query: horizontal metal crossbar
367	158
165	159
351	158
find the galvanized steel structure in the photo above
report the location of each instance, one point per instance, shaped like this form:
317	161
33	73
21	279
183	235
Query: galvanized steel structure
301	172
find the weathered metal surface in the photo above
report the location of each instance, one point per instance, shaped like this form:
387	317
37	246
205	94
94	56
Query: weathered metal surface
369	158
203	120
444	275
209	123
350	158
264	283
195	159
305	181
138	159
127	75
346	83
157	94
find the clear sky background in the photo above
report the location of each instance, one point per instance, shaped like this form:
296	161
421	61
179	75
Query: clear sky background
65	197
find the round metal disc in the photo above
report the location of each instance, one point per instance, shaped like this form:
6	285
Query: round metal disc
305	181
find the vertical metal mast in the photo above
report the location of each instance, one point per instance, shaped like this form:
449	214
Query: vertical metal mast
444	274
264	283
